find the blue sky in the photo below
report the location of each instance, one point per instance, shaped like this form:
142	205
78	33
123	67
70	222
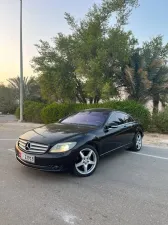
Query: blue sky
43	19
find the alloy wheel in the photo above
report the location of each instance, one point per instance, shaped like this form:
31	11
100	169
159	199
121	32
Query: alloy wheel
87	161
138	141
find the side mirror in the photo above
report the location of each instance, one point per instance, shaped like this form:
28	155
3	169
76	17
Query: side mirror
111	125
114	126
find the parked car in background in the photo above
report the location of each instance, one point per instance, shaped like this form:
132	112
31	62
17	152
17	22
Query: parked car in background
79	141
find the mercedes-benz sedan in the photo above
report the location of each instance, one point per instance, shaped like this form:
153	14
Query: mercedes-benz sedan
78	141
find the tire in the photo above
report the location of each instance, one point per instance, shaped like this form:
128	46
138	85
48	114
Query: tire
86	162
137	143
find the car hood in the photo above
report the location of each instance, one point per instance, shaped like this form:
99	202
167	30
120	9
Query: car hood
54	133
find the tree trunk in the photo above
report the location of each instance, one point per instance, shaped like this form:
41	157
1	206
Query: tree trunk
155	104
80	99
91	100
80	92
96	99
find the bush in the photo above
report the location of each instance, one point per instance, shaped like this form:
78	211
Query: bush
8	103
54	112
138	111
7	107
41	113
32	111
160	121
17	113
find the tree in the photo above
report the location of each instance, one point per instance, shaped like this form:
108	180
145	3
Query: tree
8	103
99	47
31	89
145	77
134	78
155	54
86	61
55	68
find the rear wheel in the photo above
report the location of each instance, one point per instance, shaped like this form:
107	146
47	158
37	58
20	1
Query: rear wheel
137	142
86	162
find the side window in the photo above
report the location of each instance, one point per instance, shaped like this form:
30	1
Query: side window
121	118
128	119
113	118
117	118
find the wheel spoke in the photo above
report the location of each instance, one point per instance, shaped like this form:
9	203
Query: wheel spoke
139	142
91	162
90	153
86	168
82	155
79	164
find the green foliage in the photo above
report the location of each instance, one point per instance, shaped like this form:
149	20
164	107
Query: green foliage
85	62
8	103
54	112
17	113
160	121
138	111
155	55
32	111
145	76
134	78
31	88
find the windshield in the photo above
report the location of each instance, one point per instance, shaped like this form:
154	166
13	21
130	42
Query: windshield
87	118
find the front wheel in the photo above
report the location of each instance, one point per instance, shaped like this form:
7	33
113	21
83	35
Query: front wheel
87	161
137	142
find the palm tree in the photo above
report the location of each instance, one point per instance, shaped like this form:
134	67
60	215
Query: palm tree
158	76
146	76
135	78
31	87
155	54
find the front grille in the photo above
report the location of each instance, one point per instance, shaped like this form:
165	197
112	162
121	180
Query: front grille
32	147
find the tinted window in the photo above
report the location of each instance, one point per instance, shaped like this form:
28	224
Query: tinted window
121	117
87	118
129	119
117	118
113	118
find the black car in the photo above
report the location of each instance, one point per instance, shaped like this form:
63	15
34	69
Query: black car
78	141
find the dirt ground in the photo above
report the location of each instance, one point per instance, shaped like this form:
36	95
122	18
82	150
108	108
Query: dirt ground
156	139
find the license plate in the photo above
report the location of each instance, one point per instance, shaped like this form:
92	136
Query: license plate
28	158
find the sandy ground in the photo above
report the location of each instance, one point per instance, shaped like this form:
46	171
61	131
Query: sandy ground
156	139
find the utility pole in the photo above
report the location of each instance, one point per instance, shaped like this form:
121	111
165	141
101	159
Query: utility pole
21	66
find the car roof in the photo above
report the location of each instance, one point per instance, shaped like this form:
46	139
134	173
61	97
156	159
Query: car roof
103	110
98	110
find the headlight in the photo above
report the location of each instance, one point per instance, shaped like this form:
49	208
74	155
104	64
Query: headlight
62	147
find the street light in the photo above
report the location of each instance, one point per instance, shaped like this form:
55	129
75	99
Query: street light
21	66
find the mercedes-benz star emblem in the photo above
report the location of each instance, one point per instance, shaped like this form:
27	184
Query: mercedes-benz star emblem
27	146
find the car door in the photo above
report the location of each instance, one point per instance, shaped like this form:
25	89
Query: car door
113	137
128	129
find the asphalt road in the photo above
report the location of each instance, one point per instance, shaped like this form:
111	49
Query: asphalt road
126	189
7	118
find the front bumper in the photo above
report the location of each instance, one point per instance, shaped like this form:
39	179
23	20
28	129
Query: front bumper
48	161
